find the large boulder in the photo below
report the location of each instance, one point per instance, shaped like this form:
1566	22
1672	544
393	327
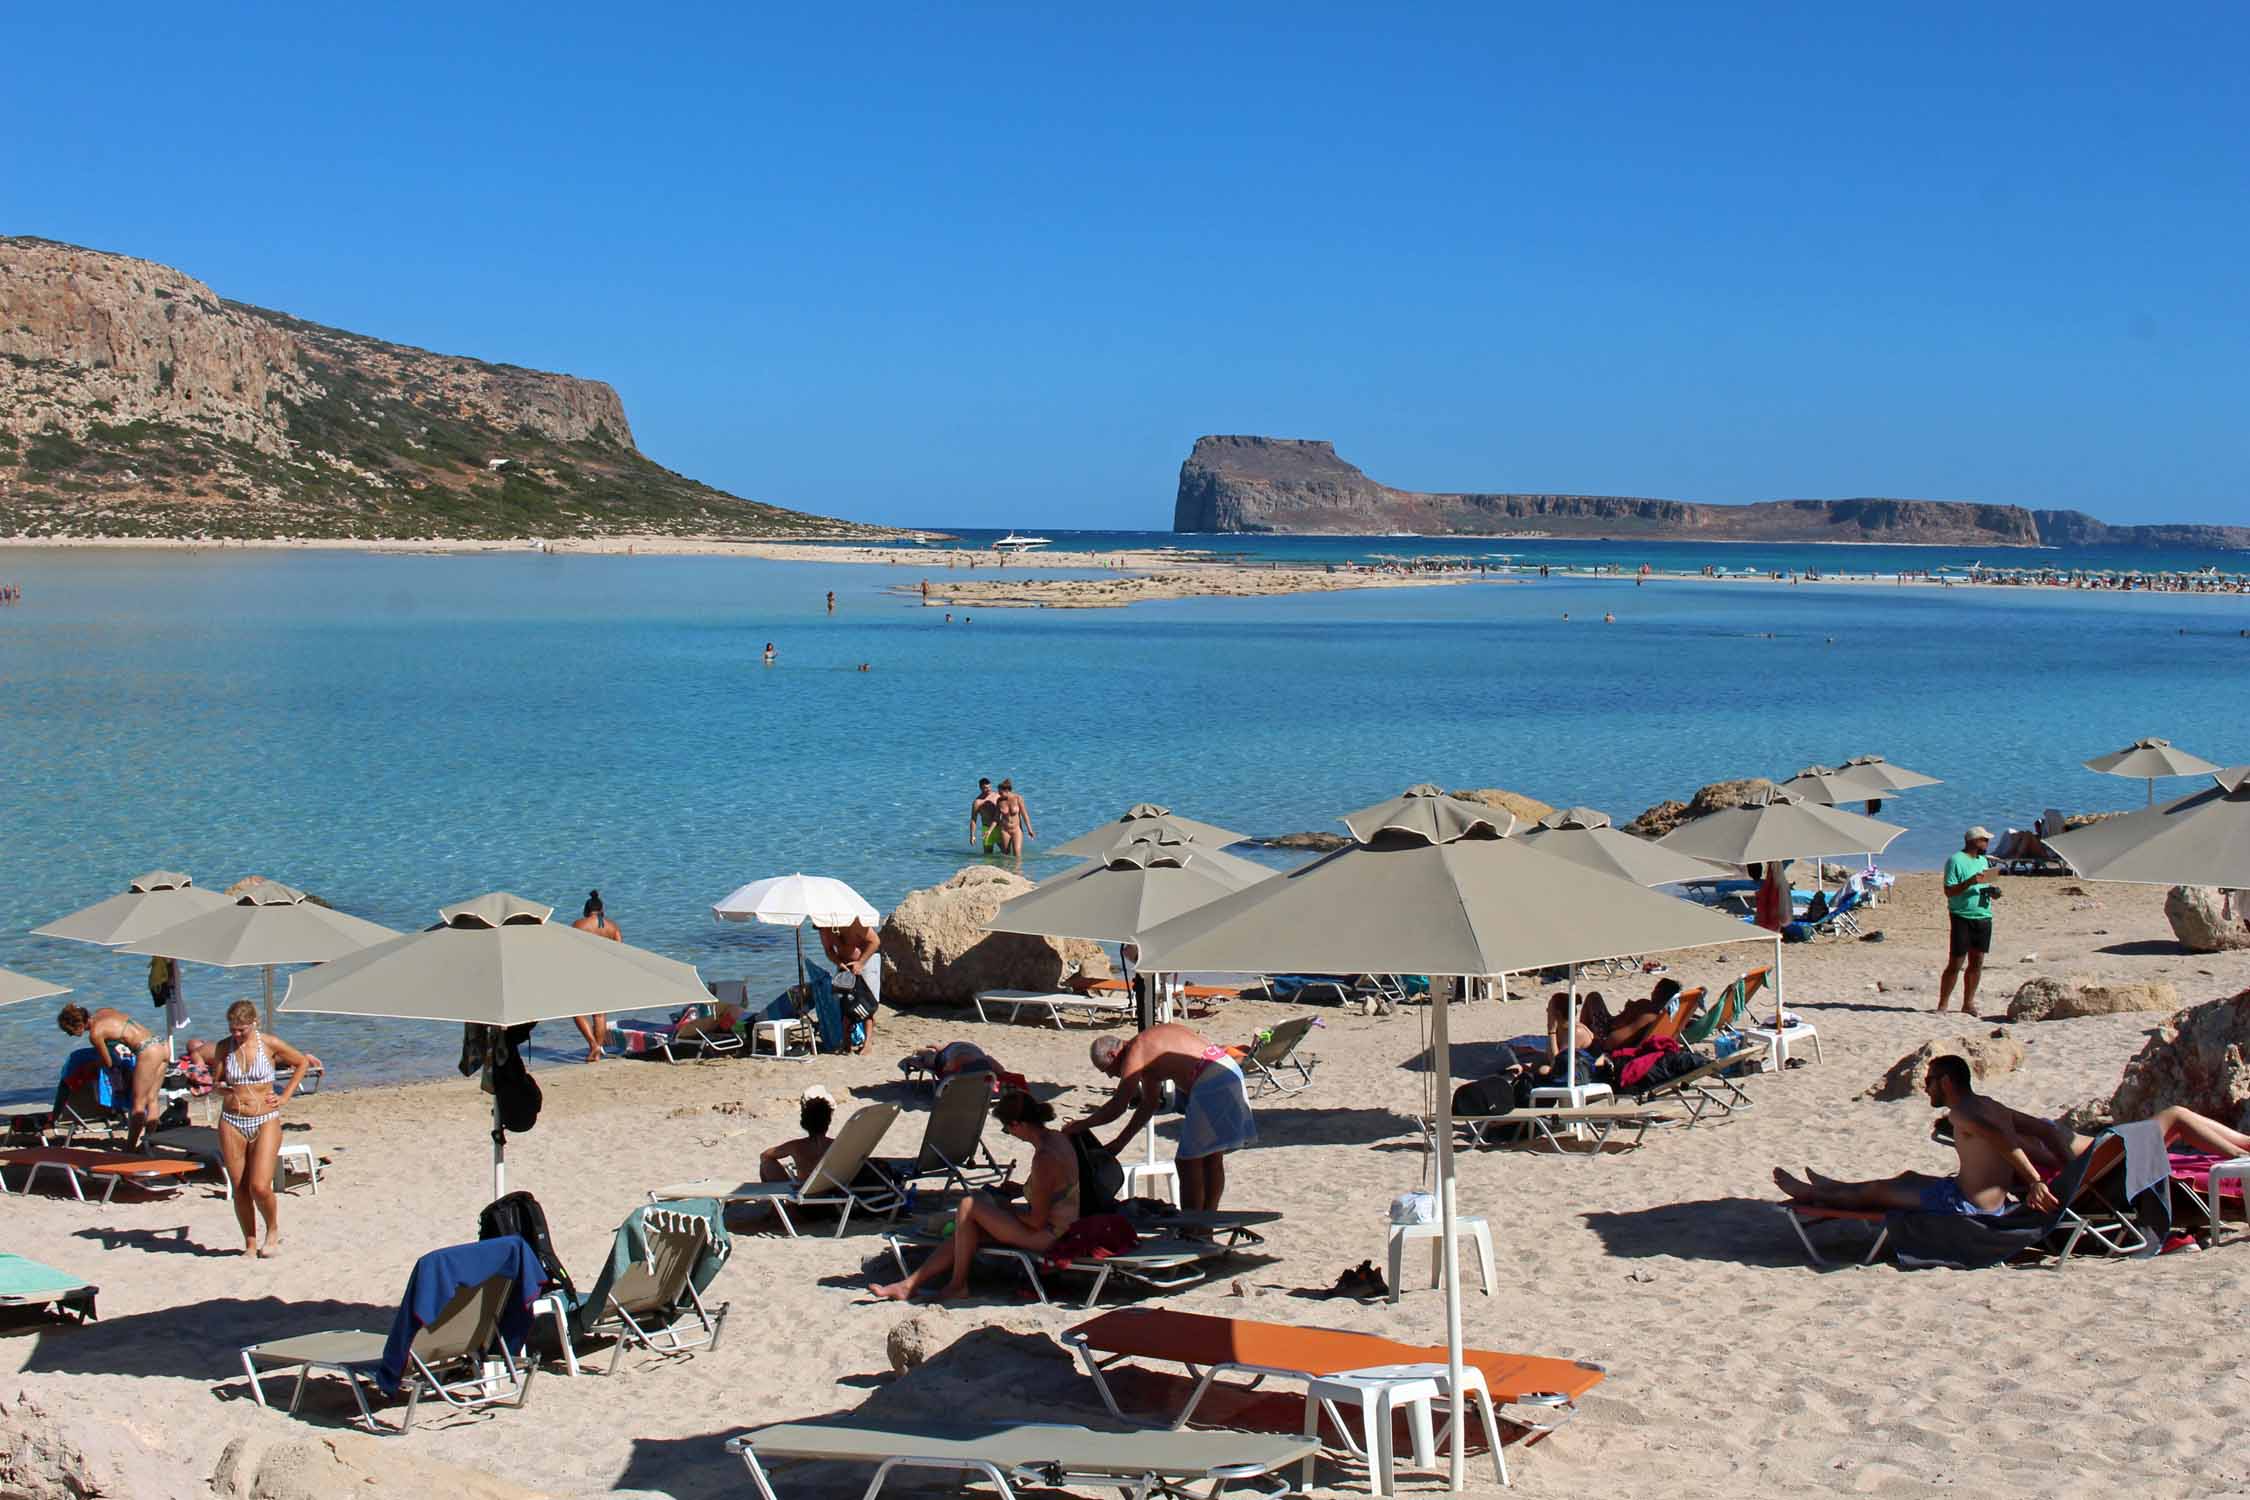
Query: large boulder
935	947
2202	920
2199	1058
1657	821
1527	810
1319	843
2045	999
1989	1056
264	1467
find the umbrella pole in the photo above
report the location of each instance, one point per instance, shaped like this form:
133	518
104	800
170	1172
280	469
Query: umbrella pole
1442	1066
1570	1038
499	1153
269	997
799	930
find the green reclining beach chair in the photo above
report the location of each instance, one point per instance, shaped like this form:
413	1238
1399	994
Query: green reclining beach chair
1733	1004
649	1294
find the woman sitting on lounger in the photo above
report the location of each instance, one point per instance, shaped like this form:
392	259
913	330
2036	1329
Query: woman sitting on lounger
1050	1204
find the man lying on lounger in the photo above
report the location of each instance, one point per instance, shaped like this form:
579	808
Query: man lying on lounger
1997	1146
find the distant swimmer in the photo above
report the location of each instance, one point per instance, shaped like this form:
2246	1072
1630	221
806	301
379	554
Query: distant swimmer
1566	614
949	617
832	601
769	653
1608	618
925	588
864	667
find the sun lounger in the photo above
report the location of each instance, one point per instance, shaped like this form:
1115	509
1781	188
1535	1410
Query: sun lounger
953	1150
1211	1347
1047	1456
26	1283
1230	1228
1839	920
1102	1008
1726	1013
1712	1087
834	1182
200	1143
2083	1213
649	1293
1263	1066
2207	1181
1599	1123
445	1356
1161	1262
80	1168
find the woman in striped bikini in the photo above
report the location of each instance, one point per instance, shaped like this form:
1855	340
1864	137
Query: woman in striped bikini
250	1119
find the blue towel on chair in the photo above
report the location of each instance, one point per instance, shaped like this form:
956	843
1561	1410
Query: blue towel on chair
439	1275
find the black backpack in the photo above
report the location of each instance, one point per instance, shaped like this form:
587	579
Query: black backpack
520	1214
1100	1178
1486	1096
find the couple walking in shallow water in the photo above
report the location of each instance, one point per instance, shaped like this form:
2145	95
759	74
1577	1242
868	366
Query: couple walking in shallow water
999	822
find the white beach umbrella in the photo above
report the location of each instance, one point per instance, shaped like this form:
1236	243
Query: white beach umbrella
267	924
15	987
792	901
495	961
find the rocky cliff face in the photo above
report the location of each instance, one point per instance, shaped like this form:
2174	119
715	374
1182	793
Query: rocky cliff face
1296	485
2074	528
135	401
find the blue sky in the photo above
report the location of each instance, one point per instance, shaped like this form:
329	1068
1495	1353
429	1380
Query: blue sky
1001	265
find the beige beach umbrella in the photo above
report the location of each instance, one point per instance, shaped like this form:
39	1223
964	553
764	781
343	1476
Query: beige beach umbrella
1138	884
1460	900
1586	837
150	903
15	987
2199	839
266	924
1892	778
2149	759
494	961
1426	811
1143	820
1780	826
1827	786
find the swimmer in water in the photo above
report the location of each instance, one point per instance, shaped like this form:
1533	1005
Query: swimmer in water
769	653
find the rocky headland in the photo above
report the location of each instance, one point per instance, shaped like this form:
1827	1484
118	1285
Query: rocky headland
1248	484
136	402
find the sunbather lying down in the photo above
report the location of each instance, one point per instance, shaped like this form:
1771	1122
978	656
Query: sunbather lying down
1599	1030
943	1062
2000	1150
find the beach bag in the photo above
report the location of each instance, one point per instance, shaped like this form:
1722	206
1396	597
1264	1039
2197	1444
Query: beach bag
1486	1096
1638	1068
520	1214
1100	1178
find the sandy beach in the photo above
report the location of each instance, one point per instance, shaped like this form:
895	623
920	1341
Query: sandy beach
1734	1367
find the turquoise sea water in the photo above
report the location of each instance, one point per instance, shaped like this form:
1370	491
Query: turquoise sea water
396	733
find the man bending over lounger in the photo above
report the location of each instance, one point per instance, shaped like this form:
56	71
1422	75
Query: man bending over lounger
1215	1111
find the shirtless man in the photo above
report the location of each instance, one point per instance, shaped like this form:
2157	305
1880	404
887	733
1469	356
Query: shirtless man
595	1028
857	950
1015	820
108	1029
1997	1146
1215	1111
984	816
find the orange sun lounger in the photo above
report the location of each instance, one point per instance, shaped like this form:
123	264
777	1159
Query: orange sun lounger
79	1167
1211	1346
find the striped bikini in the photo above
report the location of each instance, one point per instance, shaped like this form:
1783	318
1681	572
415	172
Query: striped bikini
240	1074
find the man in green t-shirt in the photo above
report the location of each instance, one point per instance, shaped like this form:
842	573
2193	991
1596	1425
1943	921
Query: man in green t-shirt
1968	906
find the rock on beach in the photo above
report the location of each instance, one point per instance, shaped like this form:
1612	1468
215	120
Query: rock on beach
936	948
1989	1056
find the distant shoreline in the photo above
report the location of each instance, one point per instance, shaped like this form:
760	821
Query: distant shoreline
1112	579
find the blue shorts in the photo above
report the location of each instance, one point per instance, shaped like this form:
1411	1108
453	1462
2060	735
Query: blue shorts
1945	1197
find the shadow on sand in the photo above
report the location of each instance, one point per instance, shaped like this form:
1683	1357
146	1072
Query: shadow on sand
1735	1231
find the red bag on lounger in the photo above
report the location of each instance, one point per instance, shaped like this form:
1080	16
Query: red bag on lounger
1092	1238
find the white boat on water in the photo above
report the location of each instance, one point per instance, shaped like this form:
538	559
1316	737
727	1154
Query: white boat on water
1013	543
